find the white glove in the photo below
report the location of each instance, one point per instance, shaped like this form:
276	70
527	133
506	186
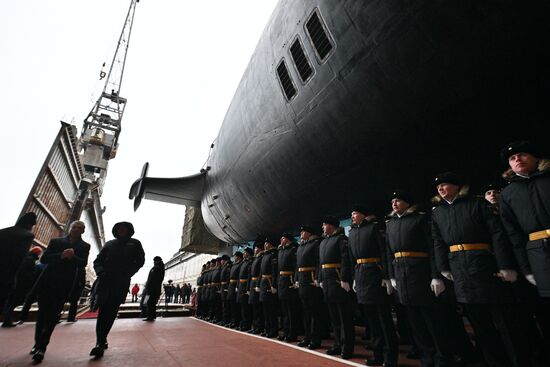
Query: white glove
531	279
508	275
346	286
321	284
387	284
393	283
354	286
438	286
316	283
296	285
257	289
273	290
448	275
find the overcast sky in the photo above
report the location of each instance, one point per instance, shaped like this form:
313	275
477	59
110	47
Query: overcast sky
185	61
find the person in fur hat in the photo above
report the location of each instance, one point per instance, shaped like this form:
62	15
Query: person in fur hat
471	249
412	269
372	285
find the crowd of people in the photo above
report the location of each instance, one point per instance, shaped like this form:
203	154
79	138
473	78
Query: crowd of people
483	259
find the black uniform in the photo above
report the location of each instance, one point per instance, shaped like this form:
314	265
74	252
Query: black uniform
525	212
224	286
76	292
56	283
368	254
200	292
232	294
269	278
215	294
254	297
412	265
242	295
286	291
335	268
311	296
470	243
115	265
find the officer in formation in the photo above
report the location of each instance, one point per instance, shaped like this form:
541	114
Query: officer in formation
487	254
225	273
243	291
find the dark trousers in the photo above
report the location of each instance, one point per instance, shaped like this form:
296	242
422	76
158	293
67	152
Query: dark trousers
341	317
226	311
382	331
152	307
246	314
235	312
311	309
270	316
49	308
496	334
289	328
258	316
134	297
105	319
73	300
15	298
431	337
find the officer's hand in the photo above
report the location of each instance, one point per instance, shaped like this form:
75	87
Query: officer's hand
321	284
296	285
273	290
508	275
354	286
316	283
448	275
531	279
387	284
257	289
67	254
393	283
438	286
247	293
346	286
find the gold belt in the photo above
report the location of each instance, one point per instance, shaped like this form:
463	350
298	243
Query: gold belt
243	280
539	235
331	266
286	273
215	283
267	276
233	281
410	254
302	270
469	247
254	278
368	260
224	283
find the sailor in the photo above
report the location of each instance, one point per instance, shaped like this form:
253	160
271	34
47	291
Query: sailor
285	287
525	211
311	295
491	193
335	278
254	288
372	285
412	269
232	289
224	286
200	293
268	292
471	249
243	292
215	292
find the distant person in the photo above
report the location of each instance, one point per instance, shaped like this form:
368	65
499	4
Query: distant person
15	243
152	290
178	293
193	300
169	291
135	291
24	280
115	265
65	257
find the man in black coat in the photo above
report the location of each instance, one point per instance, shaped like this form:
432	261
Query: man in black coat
115	265
525	211
215	300
224	281
285	287
372	285
471	249
15	243
153	288
254	289
335	279
269	271
64	257
200	292
311	295
232	289
414	275
243	291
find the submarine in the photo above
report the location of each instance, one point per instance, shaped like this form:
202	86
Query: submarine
344	101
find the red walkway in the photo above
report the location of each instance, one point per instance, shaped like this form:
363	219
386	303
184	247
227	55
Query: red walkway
167	342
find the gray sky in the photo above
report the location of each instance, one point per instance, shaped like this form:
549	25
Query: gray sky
185	61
